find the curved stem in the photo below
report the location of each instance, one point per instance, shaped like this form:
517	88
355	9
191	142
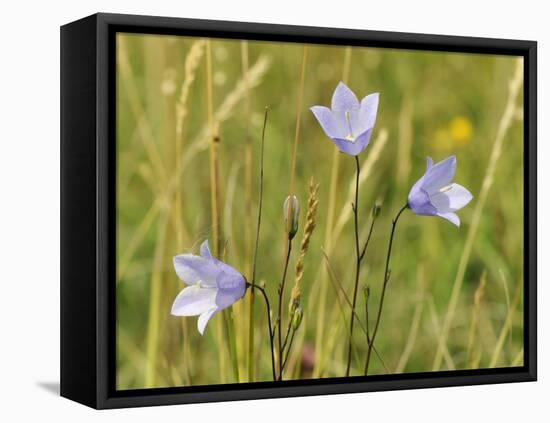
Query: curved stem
260	202
254	260
288	327
289	348
384	286
368	238
357	264
268	307
280	309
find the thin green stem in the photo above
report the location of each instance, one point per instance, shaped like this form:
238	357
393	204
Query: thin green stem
280	308
357	264
270	327
255	258
288	327
368	238
338	287
289	348
384	286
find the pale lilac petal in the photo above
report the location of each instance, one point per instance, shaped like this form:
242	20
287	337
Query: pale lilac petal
419	202
231	289
458	197
451	217
355	147
368	111
344	99
440	175
230	280
194	300
441	202
331	124
429	163
226	298
204	318
451	198
353	123
193	269
205	250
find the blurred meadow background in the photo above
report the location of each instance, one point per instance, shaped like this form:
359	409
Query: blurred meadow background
190	111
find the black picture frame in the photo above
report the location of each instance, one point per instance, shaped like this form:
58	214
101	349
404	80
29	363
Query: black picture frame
88	210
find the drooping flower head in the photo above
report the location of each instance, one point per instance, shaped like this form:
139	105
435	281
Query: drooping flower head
211	287
434	194
349	123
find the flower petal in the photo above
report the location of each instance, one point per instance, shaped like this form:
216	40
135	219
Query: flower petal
231	281
440	175
192	269
429	163
204	318
355	147
344	99
419	202
331	124
205	250
451	217
194	300
369	109
458	197
451	198
231	289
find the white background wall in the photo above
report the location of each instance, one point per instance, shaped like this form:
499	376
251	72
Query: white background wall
29	209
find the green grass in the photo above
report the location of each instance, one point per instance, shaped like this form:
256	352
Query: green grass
431	103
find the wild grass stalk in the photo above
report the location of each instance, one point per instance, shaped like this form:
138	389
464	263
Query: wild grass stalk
199	144
192	62
508	304
299	107
478	298
404	142
415	322
129	84
248	223
436	324
294	306
153	326
290	211
503	126
213	140
507	326
331	208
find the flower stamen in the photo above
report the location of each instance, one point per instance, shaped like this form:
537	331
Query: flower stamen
350	136
446	188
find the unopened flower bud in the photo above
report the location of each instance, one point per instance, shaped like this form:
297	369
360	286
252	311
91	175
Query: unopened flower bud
291	211
292	307
376	209
297	318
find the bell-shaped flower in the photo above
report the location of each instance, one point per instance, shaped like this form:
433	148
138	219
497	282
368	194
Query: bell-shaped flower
211	287
435	194
349	123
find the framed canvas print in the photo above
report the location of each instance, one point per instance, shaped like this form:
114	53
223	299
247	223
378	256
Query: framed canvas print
257	211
